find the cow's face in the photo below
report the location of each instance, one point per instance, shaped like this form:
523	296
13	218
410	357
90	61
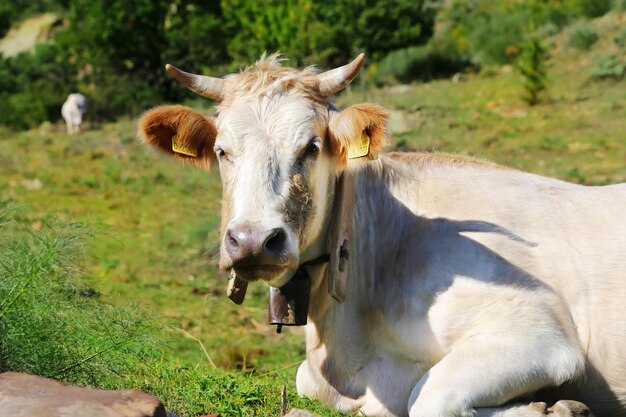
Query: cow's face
276	168
279	146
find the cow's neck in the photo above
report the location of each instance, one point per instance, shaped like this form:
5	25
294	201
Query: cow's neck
378	217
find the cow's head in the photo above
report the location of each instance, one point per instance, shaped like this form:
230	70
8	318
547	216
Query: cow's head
280	145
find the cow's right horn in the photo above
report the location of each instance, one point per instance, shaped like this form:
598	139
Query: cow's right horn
209	87
337	79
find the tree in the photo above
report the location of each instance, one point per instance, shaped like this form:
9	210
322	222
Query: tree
196	35
269	26
116	46
325	32
532	64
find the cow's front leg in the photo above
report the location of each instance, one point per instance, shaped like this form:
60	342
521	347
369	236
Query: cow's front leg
481	374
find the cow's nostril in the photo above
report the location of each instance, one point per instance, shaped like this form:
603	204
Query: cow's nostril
232	242
275	242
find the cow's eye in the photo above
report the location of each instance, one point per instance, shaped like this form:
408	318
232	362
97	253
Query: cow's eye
219	152
313	148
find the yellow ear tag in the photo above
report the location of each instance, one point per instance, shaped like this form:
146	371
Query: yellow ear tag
360	147
182	149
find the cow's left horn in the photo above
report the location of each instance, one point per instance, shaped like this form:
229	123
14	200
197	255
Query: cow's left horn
337	79
209	87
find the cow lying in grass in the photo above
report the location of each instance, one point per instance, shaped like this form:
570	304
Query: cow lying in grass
453	287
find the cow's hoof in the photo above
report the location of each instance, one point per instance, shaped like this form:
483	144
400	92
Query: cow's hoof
541	407
569	408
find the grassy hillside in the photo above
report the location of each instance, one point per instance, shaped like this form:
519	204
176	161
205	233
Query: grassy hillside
158	221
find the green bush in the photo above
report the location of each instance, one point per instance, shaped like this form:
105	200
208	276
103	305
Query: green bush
21	110
547	29
581	36
607	66
493	33
5	19
486	30
51	319
420	63
33	87
620	39
594	8
121	94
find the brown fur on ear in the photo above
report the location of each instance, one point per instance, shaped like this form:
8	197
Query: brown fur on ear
193	134
351	123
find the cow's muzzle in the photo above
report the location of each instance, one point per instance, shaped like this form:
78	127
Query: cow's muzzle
257	253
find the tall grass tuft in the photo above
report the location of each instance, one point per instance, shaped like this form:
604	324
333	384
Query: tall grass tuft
52	321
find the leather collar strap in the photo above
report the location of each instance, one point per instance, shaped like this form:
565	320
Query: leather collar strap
339	236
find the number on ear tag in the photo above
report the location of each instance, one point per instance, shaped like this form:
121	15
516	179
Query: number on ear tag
360	147
181	148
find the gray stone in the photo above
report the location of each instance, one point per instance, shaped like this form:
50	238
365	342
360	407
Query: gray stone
23	395
298	412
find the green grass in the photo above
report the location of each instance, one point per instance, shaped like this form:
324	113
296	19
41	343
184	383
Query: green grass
158	222
55	323
51	320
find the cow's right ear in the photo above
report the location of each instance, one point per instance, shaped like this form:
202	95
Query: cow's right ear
358	132
180	132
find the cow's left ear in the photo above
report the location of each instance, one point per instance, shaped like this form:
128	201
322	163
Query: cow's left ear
181	133
358	132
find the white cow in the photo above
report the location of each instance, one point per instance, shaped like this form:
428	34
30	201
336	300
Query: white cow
463	289
73	111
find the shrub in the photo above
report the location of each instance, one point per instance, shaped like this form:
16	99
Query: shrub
594	8
607	66
121	94
33	87
51	320
620	39
581	36
548	29
420	63
493	33
619	5
486	29
21	110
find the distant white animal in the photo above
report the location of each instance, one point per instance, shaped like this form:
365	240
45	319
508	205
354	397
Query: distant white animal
73	110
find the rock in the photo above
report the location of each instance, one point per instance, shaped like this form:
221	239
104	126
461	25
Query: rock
34	184
298	412
459	77
26	35
398	122
46	128
23	395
